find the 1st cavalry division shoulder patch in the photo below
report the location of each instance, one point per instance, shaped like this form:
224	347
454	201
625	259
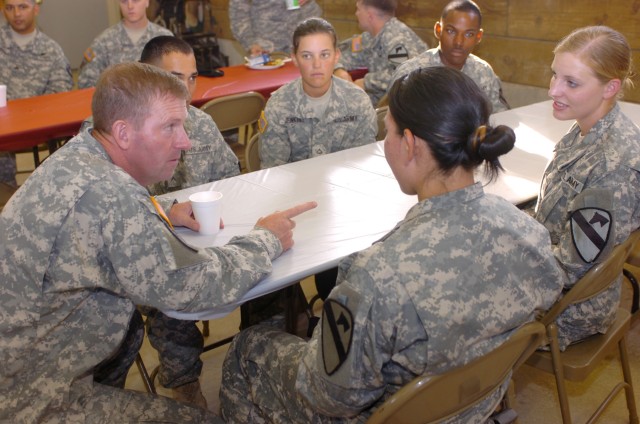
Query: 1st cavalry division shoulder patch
337	332
590	230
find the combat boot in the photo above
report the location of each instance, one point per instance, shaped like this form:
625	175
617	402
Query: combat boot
191	394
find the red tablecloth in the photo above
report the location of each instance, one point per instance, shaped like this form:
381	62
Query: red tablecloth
25	123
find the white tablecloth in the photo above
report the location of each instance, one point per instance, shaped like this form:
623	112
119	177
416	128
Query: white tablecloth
358	198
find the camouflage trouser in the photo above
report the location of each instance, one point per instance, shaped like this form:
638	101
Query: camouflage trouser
259	380
590	317
179	344
90	403
8	168
113	371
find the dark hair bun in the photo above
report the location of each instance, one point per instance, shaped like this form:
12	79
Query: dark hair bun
497	142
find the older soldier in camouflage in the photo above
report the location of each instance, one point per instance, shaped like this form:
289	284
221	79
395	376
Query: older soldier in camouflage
120	43
255	22
385	44
33	64
179	343
590	193
82	243
317	113
438	291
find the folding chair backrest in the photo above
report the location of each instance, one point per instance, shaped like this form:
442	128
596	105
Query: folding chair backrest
433	398
596	280
252	153
380	113
236	110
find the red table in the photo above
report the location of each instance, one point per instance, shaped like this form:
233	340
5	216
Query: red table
26	123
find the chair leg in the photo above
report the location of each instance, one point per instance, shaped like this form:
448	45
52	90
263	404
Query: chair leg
558	372
626	372
148	382
205	328
36	156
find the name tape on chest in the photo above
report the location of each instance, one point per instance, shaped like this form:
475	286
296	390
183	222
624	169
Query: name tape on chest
572	182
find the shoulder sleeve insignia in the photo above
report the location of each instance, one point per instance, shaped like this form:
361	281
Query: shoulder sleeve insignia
356	44
590	230
337	332
89	54
398	54
262	122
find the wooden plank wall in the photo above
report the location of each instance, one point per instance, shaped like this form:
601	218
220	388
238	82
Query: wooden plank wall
519	35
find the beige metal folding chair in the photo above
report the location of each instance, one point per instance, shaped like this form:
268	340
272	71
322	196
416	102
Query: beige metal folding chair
239	111
578	360
633	261
6	191
434	398
380	113
252	153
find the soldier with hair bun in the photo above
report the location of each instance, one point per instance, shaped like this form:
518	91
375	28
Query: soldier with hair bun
448	284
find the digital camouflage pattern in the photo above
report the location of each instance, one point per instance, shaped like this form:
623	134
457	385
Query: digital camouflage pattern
124	406
269	20
8	168
40	68
111	47
81	245
209	159
477	69
179	343
382	54
438	291
603	171
294	133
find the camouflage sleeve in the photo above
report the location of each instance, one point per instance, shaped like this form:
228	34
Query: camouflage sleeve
343	381
94	62
498	101
344	375
348	58
60	79
402	70
399	48
608	207
310	9
170	275
275	146
240	20
377	82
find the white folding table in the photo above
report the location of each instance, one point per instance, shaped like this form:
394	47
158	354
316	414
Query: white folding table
358	198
